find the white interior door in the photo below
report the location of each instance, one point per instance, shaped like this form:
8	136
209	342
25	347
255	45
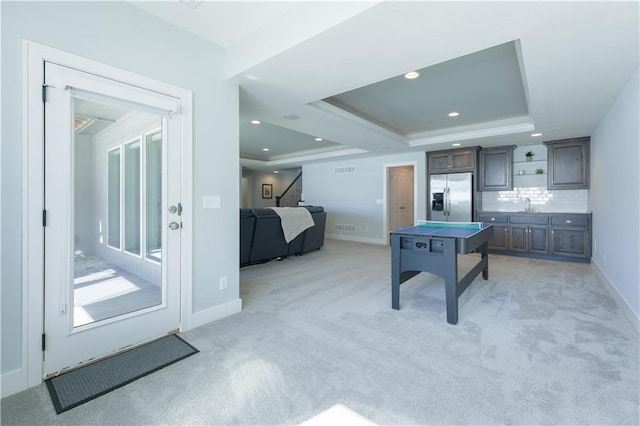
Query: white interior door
400	197
112	204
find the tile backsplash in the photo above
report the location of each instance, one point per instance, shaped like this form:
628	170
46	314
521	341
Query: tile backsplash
542	200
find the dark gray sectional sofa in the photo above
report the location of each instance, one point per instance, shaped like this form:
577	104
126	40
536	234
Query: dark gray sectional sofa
261	236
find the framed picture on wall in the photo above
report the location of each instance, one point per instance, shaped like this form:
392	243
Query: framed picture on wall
267	190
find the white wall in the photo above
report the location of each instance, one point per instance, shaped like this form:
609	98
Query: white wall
615	193
355	198
123	36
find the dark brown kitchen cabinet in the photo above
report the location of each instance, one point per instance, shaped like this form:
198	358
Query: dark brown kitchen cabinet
499	241
562	236
528	238
496	169
568	163
571	235
529	233
452	160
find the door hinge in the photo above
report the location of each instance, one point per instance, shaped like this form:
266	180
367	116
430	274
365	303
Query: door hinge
43	342
44	93
44	218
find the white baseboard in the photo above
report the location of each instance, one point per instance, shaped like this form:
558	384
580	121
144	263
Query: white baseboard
215	313
367	240
11	383
626	308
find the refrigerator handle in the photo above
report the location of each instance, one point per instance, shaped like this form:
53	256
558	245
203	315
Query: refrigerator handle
447	202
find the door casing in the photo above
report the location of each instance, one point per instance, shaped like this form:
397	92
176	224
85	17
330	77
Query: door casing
385	193
34	56
400	190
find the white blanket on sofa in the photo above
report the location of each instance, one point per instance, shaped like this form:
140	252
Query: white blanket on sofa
294	221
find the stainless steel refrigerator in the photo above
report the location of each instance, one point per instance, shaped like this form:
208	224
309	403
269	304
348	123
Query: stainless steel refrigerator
451	197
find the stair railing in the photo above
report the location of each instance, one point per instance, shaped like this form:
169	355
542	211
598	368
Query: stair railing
291	195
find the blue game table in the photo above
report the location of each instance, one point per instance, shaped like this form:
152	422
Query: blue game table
434	247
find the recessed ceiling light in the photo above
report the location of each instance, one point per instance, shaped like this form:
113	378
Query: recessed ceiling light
535	135
276	171
265	149
456	144
318	139
454	114
411	75
255	121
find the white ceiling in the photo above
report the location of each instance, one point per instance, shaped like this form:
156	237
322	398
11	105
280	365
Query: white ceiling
573	58
93	117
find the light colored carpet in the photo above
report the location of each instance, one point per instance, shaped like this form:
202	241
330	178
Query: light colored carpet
540	342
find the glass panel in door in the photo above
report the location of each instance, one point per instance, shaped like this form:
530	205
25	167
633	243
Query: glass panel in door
117	221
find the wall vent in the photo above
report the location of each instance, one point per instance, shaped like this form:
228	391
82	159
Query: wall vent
347	169
345	228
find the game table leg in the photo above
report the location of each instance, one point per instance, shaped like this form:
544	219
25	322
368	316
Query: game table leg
451	280
484	249
395	272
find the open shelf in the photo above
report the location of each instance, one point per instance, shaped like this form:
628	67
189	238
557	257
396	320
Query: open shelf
531	162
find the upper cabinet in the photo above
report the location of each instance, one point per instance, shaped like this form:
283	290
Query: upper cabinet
568	163
453	160
496	165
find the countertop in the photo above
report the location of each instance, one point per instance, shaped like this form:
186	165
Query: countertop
531	213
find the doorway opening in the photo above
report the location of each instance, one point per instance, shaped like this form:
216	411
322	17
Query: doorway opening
64	174
400	209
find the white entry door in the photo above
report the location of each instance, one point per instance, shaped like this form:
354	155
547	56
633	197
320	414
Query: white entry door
112	216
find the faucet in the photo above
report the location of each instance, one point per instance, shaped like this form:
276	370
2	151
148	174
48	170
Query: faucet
528	209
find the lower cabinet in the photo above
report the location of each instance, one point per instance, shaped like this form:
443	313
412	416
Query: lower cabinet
561	236
500	239
528	238
571	235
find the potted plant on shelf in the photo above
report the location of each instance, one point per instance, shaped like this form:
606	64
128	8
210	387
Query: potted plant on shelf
528	155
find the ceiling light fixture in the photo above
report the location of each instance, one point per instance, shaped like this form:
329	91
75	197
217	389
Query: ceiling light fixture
256	122
318	139
276	171
535	135
265	149
456	144
454	114
411	75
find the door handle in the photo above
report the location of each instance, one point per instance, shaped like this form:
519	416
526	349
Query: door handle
174	225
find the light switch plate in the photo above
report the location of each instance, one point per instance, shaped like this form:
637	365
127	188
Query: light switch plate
211	202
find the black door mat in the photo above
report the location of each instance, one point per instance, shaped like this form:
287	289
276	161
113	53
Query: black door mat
78	386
